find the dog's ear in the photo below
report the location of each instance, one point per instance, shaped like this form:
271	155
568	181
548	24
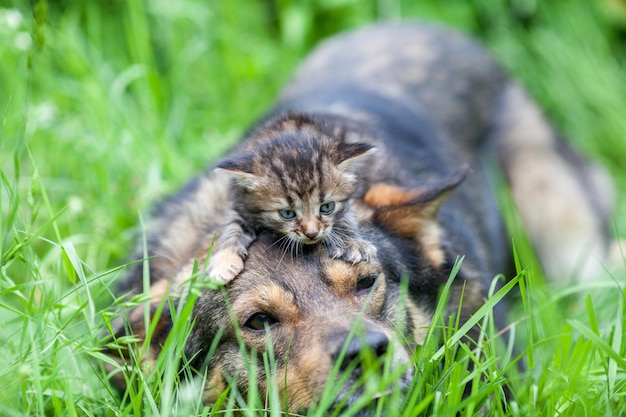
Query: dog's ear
411	213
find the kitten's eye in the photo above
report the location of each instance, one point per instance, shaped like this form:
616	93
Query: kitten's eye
287	214
258	321
366	283
327	208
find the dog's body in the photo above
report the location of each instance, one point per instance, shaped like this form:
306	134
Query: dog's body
433	103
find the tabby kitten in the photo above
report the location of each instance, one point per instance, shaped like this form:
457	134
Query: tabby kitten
296	180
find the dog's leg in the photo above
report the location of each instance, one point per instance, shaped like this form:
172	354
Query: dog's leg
564	200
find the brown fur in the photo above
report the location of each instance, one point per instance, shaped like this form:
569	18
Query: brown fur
412	213
563	199
316	301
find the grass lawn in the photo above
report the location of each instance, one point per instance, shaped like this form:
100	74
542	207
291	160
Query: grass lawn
107	106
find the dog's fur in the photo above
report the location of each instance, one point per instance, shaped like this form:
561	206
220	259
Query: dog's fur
435	105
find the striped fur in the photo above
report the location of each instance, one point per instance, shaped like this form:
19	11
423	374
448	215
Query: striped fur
298	168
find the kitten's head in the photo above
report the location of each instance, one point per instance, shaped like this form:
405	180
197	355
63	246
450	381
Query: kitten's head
299	178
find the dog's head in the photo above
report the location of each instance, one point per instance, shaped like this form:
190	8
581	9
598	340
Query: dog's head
323	318
323	323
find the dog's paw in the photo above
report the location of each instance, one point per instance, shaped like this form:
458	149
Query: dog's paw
225	265
353	251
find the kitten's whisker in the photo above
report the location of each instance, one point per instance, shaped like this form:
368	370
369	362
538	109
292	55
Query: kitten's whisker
288	245
284	251
334	241
280	261
283	244
341	230
279	240
296	249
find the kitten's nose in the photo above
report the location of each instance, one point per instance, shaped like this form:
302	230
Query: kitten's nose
311	234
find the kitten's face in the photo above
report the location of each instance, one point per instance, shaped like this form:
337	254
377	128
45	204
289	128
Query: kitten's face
299	183
300	198
312	221
305	219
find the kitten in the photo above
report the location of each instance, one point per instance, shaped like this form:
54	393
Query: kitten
297	180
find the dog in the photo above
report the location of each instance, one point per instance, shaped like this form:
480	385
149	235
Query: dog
443	116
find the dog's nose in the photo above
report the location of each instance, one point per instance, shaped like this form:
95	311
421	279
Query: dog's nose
376	342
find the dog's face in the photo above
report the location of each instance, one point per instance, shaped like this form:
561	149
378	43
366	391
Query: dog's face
319	314
314	316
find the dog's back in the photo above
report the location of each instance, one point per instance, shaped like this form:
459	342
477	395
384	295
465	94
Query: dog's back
421	84
432	71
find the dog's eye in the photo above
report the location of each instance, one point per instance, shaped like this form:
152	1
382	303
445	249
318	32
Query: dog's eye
258	321
366	282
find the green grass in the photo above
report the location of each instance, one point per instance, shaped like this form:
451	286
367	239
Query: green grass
105	107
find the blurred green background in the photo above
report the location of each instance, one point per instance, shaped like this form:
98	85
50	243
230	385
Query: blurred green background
108	105
115	103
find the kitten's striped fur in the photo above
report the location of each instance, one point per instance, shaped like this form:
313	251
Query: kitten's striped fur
297	182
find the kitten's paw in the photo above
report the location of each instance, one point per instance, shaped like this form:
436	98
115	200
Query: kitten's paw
354	251
224	266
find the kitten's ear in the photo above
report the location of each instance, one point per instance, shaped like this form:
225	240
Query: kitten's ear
239	168
351	156
411	213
